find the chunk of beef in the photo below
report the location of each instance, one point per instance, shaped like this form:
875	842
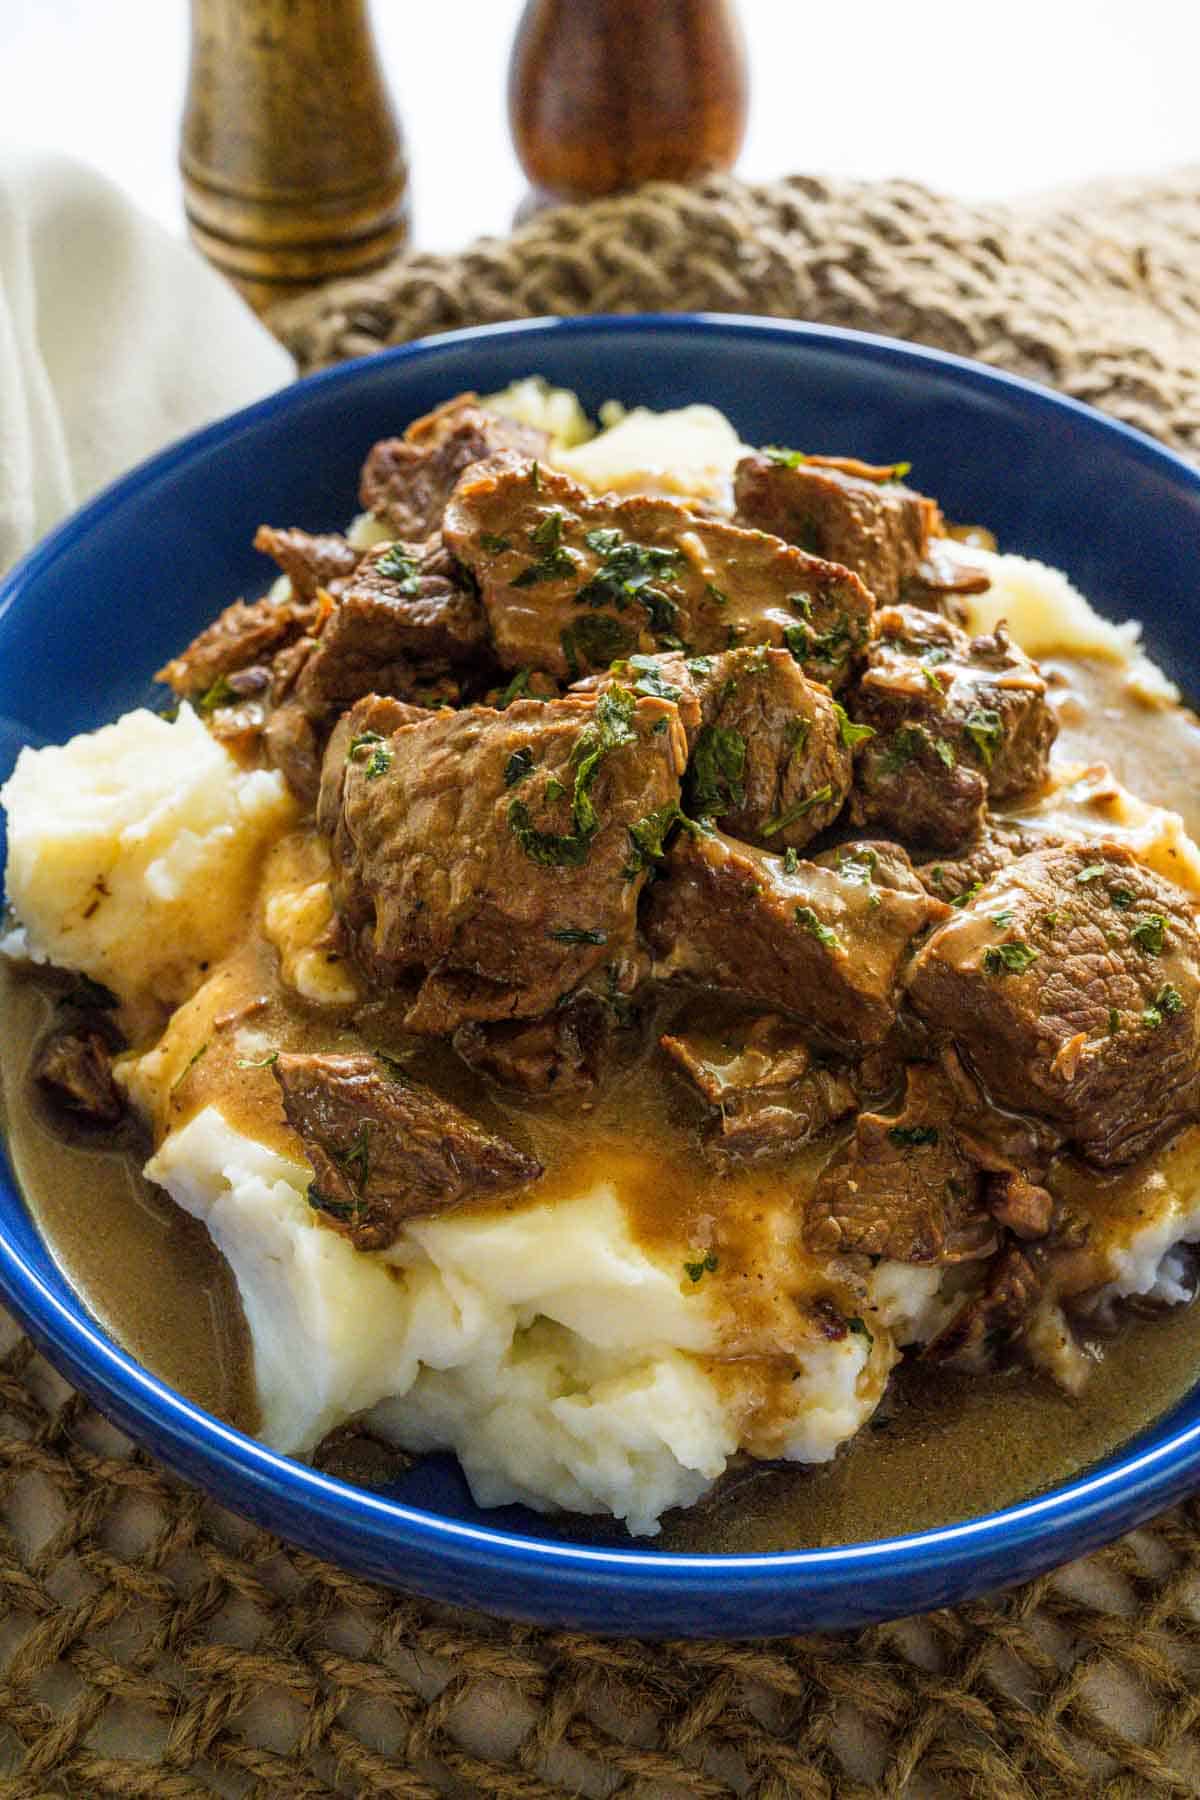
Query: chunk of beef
768	753
1072	985
567	1051
1000	841
493	856
849	512
238	638
384	1148
824	941
325	561
991	1320
407	481
73	1068
360	729
957	721
572	583
768	1092
906	1187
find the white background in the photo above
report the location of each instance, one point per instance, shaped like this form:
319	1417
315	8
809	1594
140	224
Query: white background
981	99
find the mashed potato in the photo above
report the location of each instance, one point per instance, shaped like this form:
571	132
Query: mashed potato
133	851
563	1363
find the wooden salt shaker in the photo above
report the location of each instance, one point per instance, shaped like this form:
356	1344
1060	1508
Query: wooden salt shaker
604	94
292	155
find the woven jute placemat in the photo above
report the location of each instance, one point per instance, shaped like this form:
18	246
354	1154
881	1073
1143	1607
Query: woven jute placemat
151	1644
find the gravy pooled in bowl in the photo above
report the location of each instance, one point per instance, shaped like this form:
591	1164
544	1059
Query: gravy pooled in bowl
654	983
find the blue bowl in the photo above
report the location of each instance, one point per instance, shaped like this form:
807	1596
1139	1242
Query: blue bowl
110	594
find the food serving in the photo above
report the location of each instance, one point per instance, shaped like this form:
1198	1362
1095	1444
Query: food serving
627	954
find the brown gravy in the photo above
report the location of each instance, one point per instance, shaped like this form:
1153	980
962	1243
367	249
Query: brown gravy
941	1448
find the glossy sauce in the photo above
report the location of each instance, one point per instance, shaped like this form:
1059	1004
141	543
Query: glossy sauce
942	1447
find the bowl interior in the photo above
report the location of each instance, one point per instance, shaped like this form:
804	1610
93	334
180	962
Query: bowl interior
113	593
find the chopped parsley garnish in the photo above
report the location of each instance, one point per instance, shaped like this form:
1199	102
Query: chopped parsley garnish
982	725
967	895
1003	917
910	1136
906	743
781	821
611	728
554	561
791	860
378	763
1091	873
518	766
849	730
860	1329
515	690
707	1265
717	595
832	646
219	694
807	917
933	680
786	459
1150	934
718	767
1009	959
944	752
595	640
347	1211
261	1062
648	837
190	1064
567	850
578	934
1121	897
494	545
553	790
650	681
399	568
699	667
356	1158
1167	1001
360	742
627	573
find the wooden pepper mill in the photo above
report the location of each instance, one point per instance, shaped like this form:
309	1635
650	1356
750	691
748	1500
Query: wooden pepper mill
604	94
292	155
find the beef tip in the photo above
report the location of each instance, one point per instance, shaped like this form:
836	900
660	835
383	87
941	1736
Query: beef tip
385	1149
241	636
769	1094
822	940
361	727
568	1051
292	745
571	583
956	721
495	856
1000	842
991	1320
906	1186
768	754
1071	984
73	1069
407	481
326	561
849	512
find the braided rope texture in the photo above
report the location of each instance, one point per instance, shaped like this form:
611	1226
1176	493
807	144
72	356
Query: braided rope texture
151	1644
1096	291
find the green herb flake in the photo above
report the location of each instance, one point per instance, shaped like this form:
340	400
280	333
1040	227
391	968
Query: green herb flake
361	742
1150	934
578	934
806	917
717	596
1009	959
1091	873
514	690
628	572
849	730
548	848
913	1136
399	568
495	546
554	561
1003	917
860	1329
261	1062
219	694
648	837
717	770
650	680
982	725
378	763
791	861
822	797
967	895
904	744
190	1064
553	790
593	642
518	766
1167	1001
933	680
944	752
706	1265
784	458
1121	897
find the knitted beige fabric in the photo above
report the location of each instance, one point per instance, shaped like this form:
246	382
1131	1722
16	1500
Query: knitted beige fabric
152	1645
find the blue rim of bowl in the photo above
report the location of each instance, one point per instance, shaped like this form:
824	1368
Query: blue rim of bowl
1076	1512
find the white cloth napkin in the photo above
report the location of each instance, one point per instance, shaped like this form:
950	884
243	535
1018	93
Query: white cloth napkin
115	338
